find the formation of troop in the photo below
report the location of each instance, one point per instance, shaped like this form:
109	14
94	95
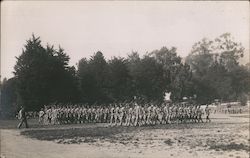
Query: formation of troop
124	114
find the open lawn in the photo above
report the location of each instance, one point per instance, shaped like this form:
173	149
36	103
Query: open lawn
225	136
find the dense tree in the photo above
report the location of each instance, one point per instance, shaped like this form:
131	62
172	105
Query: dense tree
216	70
43	76
149	79
119	80
133	61
176	75
93	76
181	84
230	51
201	57
8	99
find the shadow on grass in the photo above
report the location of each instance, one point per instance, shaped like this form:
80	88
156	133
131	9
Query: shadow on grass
53	134
231	146
102	132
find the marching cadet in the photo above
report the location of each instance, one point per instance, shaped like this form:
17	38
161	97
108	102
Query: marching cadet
92	114
144	115
46	115
116	114
84	114
149	114
69	115
154	115
186	113
101	114
121	116
53	115
199	113
79	114
126	114
112	115
137	111
159	115
72	110
191	113
75	114
88	116
182	111
129	115
166	113
97	114
106	113
140	115
207	111
133	116
196	113
171	113
41	115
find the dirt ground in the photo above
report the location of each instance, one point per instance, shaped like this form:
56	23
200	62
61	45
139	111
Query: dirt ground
226	136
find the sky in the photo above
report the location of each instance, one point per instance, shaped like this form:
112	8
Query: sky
116	28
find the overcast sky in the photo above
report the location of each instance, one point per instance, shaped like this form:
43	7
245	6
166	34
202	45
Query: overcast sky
117	28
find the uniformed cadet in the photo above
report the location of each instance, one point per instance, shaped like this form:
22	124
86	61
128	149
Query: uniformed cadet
106	113
149	115
137	111
116	114
121	115
129	116
207	111
112	115
144	115
199	113
41	116
166	114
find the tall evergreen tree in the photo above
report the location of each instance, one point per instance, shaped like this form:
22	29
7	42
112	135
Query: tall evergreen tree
43	76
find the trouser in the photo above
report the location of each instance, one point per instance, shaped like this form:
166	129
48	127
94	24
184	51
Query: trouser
208	119
136	120
116	119
121	119
148	119
40	120
111	119
23	120
128	118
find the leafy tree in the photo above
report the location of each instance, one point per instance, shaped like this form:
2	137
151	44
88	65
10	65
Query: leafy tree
93	79
120	80
149	78
216	70
43	76
85	79
176	75
8	106
230	51
201	57
182	85
133	61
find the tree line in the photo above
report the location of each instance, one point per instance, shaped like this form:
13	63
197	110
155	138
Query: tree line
42	76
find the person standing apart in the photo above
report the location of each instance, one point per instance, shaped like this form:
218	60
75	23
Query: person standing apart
22	117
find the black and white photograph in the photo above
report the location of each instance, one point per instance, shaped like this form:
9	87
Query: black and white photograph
124	79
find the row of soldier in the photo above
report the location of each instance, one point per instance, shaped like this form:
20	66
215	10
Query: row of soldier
126	114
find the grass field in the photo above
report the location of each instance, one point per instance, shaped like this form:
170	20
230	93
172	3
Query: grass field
225	136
